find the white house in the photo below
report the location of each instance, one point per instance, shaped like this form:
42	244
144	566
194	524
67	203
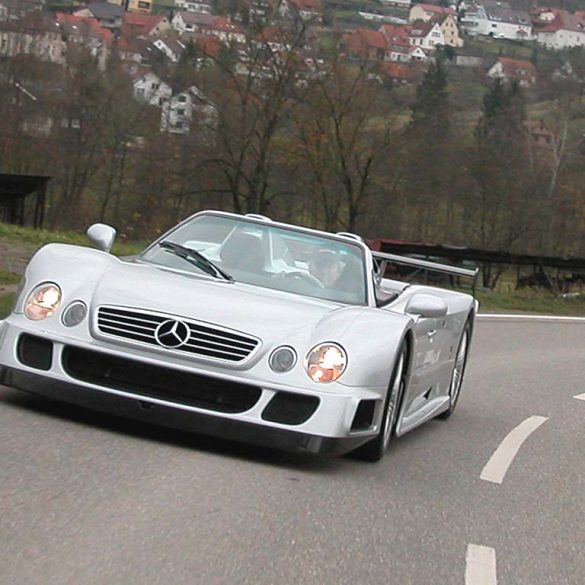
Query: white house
189	22
519	71
496	19
426	35
450	30
170	47
149	88
186	110
194	6
558	29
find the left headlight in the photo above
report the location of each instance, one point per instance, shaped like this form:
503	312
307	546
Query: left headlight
326	362
43	301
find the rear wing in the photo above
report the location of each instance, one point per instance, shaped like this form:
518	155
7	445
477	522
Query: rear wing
383	259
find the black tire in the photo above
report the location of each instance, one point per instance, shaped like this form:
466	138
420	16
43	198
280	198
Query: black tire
375	449
458	371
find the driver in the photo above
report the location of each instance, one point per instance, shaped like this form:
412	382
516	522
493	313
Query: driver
326	267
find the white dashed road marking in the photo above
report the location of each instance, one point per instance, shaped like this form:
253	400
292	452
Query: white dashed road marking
500	461
480	568
580	397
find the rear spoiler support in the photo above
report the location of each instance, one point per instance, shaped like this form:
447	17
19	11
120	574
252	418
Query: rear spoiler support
384	258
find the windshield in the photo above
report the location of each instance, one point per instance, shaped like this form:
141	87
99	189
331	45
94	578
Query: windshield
269	256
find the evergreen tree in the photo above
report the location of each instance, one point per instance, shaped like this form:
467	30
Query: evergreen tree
429	173
430	112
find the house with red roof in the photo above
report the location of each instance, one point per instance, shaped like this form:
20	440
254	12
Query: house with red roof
135	24
426	12
366	44
208	46
225	30
277	37
88	33
559	29
394	43
514	70
401	73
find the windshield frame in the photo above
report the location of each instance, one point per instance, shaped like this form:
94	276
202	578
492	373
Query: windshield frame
256	220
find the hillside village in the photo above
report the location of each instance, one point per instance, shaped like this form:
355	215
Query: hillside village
399	37
463	123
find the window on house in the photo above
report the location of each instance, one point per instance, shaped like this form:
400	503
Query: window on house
181	112
182	99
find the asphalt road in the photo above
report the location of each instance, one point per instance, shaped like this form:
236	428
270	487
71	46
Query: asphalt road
92	499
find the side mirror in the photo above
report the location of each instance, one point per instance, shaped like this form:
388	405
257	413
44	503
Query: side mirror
101	236
426	306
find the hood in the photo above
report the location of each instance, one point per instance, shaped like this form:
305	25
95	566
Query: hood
264	313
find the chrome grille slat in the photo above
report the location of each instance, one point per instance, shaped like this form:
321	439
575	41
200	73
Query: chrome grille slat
205	339
214	349
222	339
113	322
154	321
117	331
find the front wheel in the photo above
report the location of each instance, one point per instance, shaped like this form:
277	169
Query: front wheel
374	450
458	371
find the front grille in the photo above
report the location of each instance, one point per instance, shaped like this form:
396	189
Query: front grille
159	382
204	339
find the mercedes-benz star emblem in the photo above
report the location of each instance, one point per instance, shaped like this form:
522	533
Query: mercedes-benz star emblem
172	334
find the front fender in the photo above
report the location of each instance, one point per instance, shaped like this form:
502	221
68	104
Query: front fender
372	343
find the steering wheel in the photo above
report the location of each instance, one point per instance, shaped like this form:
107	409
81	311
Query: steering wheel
306	277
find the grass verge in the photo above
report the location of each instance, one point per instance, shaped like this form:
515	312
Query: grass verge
531	301
6	301
12	233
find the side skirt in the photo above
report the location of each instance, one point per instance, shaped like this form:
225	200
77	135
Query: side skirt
430	410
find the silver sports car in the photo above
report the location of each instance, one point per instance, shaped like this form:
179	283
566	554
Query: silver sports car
245	328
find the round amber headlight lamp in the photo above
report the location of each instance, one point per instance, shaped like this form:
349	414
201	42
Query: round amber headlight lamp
326	362
42	302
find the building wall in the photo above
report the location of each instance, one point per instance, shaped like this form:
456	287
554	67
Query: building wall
561	39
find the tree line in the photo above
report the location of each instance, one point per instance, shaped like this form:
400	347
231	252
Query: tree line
321	142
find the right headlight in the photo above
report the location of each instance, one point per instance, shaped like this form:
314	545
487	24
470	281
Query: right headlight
326	362
43	301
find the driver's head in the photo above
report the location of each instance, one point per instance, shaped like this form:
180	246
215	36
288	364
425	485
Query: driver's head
325	266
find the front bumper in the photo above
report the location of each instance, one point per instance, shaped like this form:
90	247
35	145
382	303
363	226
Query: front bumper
197	422
329	430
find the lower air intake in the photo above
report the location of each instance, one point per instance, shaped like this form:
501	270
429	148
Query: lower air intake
159	382
290	409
